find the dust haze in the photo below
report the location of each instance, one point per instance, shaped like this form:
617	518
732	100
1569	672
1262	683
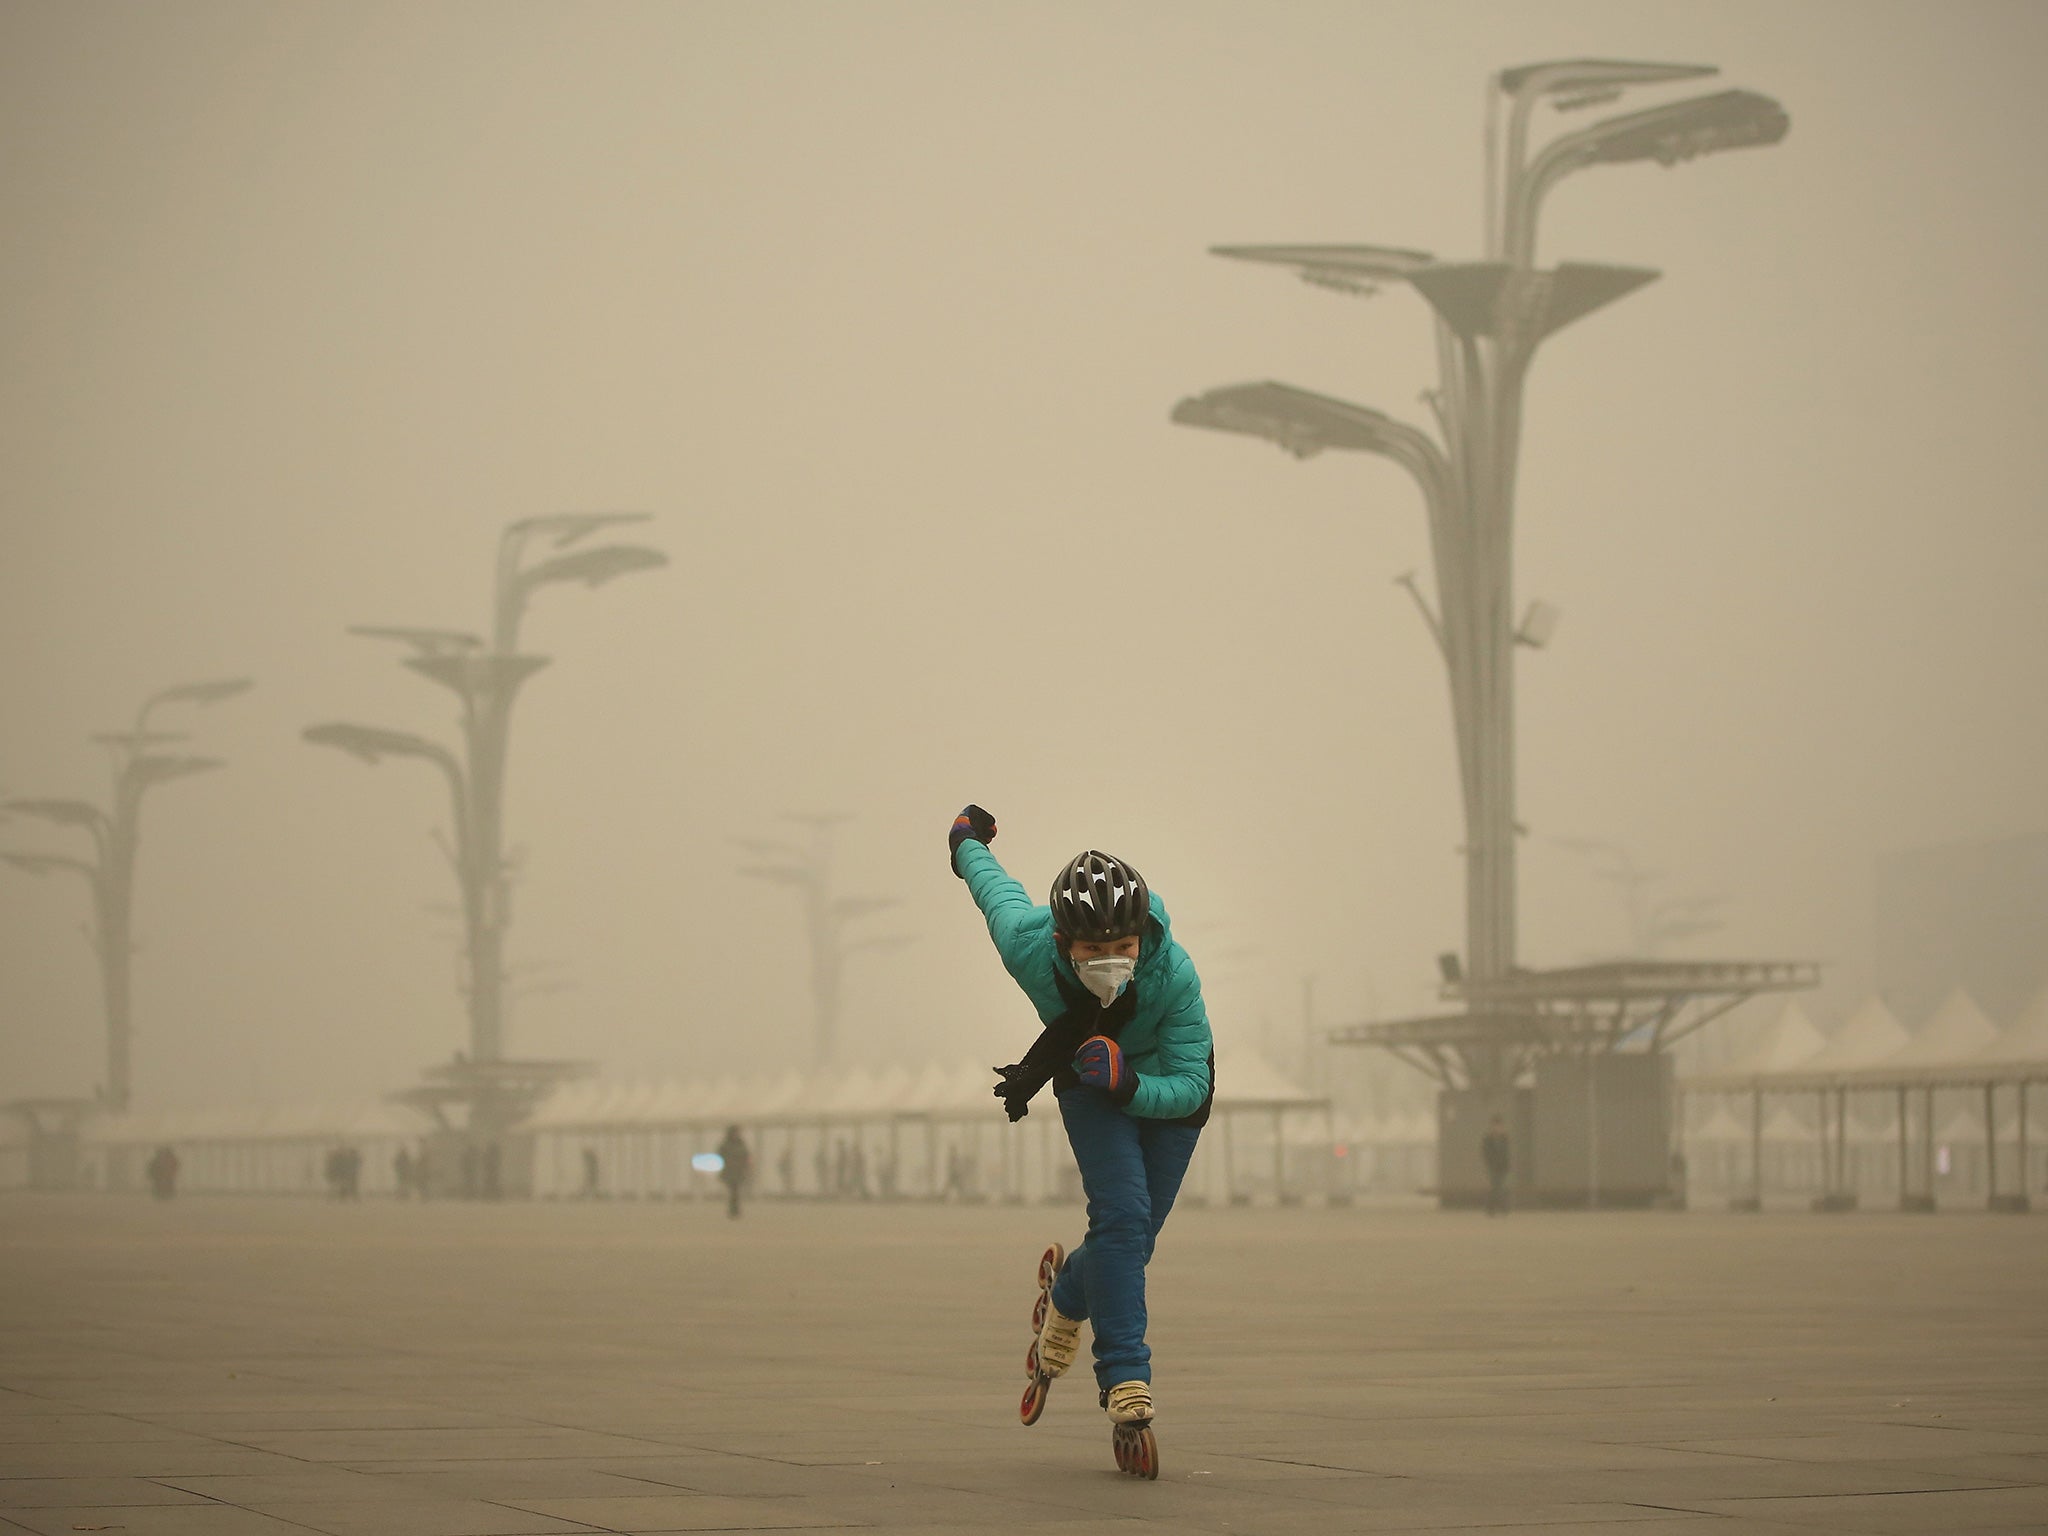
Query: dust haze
880	310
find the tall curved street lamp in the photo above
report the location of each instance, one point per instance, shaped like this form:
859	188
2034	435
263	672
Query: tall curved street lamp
1490	317
827	918
109	874
485	677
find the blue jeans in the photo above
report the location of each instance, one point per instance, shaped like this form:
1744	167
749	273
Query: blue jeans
1131	1170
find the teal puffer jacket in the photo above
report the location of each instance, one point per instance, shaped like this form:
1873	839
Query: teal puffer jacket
1167	1040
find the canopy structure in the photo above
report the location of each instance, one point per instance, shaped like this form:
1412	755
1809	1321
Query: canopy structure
1616	1005
1873	1066
1790	1040
1958	1032
2026	1039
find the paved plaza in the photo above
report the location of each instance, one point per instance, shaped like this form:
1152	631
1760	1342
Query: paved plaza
255	1366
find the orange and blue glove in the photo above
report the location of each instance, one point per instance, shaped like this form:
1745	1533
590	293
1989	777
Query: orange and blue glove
1100	1063
973	825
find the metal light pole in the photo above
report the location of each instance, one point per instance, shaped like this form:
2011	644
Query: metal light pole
486	679
1490	317
826	918
110	873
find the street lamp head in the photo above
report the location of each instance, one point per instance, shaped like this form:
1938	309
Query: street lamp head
42	863
1359	269
568	527
473	677
593	567
204	693
1298	420
1682	130
67	813
428	642
781	874
850	907
1576	78
137	740
372	743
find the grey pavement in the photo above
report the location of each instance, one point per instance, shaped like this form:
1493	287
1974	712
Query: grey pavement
220	1366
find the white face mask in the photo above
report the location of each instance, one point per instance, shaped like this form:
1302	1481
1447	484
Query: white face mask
1106	976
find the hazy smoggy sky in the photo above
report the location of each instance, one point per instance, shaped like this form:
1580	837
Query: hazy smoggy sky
880	309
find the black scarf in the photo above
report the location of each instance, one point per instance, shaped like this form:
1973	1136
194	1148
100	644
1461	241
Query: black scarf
1051	1057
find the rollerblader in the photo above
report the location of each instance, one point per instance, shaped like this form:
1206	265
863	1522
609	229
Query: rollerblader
1125	1043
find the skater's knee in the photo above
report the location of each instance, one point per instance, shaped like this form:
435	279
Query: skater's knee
1122	1226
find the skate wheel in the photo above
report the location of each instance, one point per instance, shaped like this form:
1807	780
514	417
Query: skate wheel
1038	1312
1137	1451
1034	1399
1031	1360
1049	1266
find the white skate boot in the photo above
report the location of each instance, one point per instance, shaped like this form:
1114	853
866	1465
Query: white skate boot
1129	1404
1058	1339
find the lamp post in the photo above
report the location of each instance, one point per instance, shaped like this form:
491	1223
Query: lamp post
826	919
1490	317
110	874
486	678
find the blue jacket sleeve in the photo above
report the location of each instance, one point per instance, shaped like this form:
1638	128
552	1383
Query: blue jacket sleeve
1021	929
1178	1081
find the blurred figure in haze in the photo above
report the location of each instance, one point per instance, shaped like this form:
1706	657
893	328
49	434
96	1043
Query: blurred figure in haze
1495	1152
737	1165
589	1190
344	1170
163	1173
401	1173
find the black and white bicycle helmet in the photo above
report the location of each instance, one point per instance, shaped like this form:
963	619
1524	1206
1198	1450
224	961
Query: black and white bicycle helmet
1098	897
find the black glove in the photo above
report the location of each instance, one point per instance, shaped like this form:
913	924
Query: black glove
1015	1089
971	825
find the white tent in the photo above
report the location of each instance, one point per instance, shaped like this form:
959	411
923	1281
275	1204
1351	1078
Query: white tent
1782	1125
1957	1032
1722	1125
1246	1079
1867	1037
1791	1040
2027	1038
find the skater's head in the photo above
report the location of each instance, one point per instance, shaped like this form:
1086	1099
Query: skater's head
1100	906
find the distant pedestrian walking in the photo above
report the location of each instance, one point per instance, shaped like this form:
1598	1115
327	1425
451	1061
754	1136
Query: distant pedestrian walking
401	1173
736	1166
589	1190
163	1173
1495	1152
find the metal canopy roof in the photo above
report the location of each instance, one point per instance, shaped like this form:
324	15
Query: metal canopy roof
1614	1005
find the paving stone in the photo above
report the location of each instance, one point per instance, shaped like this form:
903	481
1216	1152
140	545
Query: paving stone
78	1429
311	1485
151	1520
57	1492
417	1517
148	1458
519	1443
1904	1514
447	1370
240	1423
